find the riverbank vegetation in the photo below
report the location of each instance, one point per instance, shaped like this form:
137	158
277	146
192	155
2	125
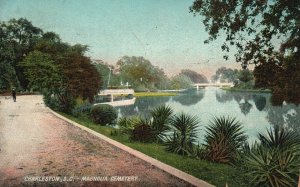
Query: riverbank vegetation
214	173
168	136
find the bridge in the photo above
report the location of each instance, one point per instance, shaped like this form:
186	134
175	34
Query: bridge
202	85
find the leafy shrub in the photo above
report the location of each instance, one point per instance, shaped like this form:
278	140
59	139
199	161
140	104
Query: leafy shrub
161	117
276	160
224	137
84	108
103	114
184	134
63	102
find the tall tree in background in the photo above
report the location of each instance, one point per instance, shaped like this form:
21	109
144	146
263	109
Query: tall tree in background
194	76
224	74
139	72
255	28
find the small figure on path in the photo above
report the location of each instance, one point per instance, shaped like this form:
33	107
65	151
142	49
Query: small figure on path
14	94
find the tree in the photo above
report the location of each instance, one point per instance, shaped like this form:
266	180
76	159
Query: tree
256	28
139	72
61	75
224	74
180	82
194	76
252	26
20	37
81	77
42	72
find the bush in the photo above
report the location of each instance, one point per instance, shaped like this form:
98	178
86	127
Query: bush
103	114
184	134
224	137
84	108
63	102
275	161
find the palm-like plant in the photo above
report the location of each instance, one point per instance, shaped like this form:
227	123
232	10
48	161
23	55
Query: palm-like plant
184	134
276	161
161	117
142	131
127	124
223	140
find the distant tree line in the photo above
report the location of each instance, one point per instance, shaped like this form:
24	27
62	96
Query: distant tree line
140	74
224	74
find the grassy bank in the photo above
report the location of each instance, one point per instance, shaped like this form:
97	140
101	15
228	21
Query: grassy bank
216	174
246	90
153	94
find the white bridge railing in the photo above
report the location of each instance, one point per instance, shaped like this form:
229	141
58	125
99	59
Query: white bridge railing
198	85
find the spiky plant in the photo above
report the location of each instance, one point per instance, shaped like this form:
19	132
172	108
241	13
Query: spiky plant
142	131
161	117
276	160
184	135
127	124
224	137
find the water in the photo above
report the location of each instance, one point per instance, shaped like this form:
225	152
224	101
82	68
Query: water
254	110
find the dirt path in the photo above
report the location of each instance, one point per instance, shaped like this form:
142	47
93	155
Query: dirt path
34	143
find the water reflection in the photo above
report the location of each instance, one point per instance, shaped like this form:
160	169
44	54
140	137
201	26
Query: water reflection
190	98
254	110
287	115
260	102
243	99
142	106
223	97
245	107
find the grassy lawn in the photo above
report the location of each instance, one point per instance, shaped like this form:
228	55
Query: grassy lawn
216	174
246	90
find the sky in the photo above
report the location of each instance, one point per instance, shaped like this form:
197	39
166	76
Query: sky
162	31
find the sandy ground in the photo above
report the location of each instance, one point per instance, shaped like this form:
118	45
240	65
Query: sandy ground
34	144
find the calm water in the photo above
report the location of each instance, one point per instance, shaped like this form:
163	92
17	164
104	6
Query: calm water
254	110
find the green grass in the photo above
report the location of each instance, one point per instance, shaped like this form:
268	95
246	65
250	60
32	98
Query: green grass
216	174
246	90
153	94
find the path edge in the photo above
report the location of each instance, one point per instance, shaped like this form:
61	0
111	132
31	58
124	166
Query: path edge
167	168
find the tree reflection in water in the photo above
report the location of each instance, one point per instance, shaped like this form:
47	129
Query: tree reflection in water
245	107
260	102
287	115
243	99
142	106
190	98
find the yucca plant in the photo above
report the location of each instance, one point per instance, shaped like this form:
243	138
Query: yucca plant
224	137
127	124
160	118
276	160
142	131
184	134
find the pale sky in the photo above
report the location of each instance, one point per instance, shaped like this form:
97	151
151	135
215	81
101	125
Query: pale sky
162	31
